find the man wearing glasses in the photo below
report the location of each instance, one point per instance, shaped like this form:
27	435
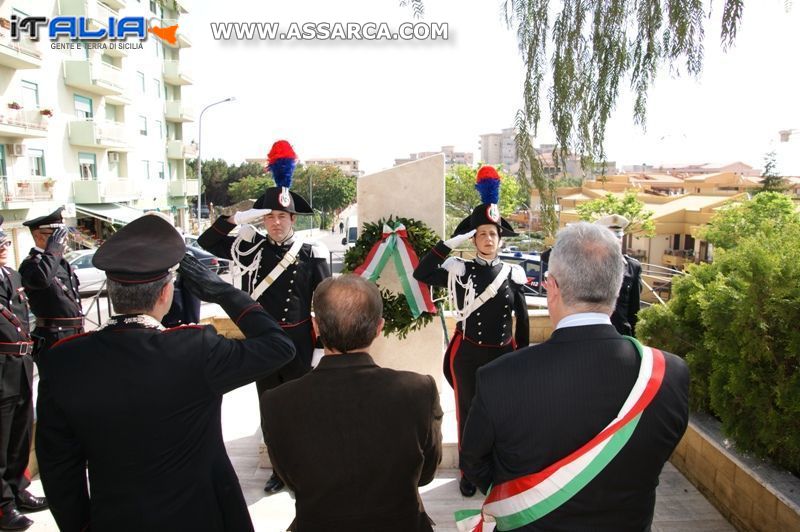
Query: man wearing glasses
51	283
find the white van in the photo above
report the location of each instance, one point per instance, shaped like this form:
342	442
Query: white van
350	231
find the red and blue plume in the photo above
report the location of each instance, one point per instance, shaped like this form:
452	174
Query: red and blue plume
488	184
281	162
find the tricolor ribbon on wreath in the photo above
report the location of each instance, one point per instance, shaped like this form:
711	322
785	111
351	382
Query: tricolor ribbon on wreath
394	244
522	501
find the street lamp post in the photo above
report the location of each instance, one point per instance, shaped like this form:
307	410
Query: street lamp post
200	160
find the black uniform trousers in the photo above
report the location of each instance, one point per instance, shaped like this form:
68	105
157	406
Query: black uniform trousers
16	419
302	336
466	358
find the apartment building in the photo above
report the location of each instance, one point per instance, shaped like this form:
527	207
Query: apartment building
96	126
499	149
347	165
451	157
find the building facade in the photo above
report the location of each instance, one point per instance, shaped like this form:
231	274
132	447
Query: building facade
451	157
347	165
96	126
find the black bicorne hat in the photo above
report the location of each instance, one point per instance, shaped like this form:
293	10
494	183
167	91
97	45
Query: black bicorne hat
283	199
281	164
488	185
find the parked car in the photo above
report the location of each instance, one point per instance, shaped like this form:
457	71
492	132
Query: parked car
92	280
223	265
531	263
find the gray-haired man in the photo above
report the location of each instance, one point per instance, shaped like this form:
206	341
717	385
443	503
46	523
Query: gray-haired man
588	416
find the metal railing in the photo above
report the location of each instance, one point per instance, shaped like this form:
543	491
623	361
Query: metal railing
30	189
26	46
24	118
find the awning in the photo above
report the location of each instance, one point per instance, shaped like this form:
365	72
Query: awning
113	213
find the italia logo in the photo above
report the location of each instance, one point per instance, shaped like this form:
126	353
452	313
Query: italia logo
77	29
284	198
493	213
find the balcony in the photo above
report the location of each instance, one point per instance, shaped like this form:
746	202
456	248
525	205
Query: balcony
677	258
18	191
180	188
177	149
20	55
175	73
108	190
116	4
175	111
183	40
182	6
96	78
96	13
99	135
22	123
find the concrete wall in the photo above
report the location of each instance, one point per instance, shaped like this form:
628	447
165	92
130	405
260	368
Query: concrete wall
412	190
748	493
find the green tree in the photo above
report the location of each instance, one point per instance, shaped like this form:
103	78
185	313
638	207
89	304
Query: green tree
772	182
237	173
766	213
331	189
250	187
461	196
215	180
640	218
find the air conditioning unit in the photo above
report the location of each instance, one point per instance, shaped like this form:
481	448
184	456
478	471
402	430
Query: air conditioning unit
15	150
113	157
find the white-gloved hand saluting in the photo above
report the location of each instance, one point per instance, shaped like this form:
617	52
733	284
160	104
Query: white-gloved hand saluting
457	240
243	217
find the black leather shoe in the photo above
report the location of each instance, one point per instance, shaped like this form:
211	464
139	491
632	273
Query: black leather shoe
466	487
13	520
274	484
27	502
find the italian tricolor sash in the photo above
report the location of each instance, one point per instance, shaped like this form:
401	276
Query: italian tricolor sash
394	244
522	501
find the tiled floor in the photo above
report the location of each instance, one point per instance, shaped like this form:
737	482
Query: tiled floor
679	506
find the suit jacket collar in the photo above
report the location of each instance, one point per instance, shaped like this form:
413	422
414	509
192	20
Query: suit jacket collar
585	332
348	360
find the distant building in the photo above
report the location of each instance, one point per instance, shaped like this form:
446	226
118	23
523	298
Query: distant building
347	165
451	157
499	148
689	170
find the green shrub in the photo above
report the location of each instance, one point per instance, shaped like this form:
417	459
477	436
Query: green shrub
737	323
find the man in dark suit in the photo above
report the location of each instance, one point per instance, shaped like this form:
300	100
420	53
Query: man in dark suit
543	407
16	402
279	270
140	405
51	283
351	439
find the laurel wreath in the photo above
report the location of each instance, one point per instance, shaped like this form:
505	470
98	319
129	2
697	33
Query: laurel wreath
396	314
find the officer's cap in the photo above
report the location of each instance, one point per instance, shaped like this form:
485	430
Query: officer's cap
615	222
50	220
143	251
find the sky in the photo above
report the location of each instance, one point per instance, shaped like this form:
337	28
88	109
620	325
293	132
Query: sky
380	100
